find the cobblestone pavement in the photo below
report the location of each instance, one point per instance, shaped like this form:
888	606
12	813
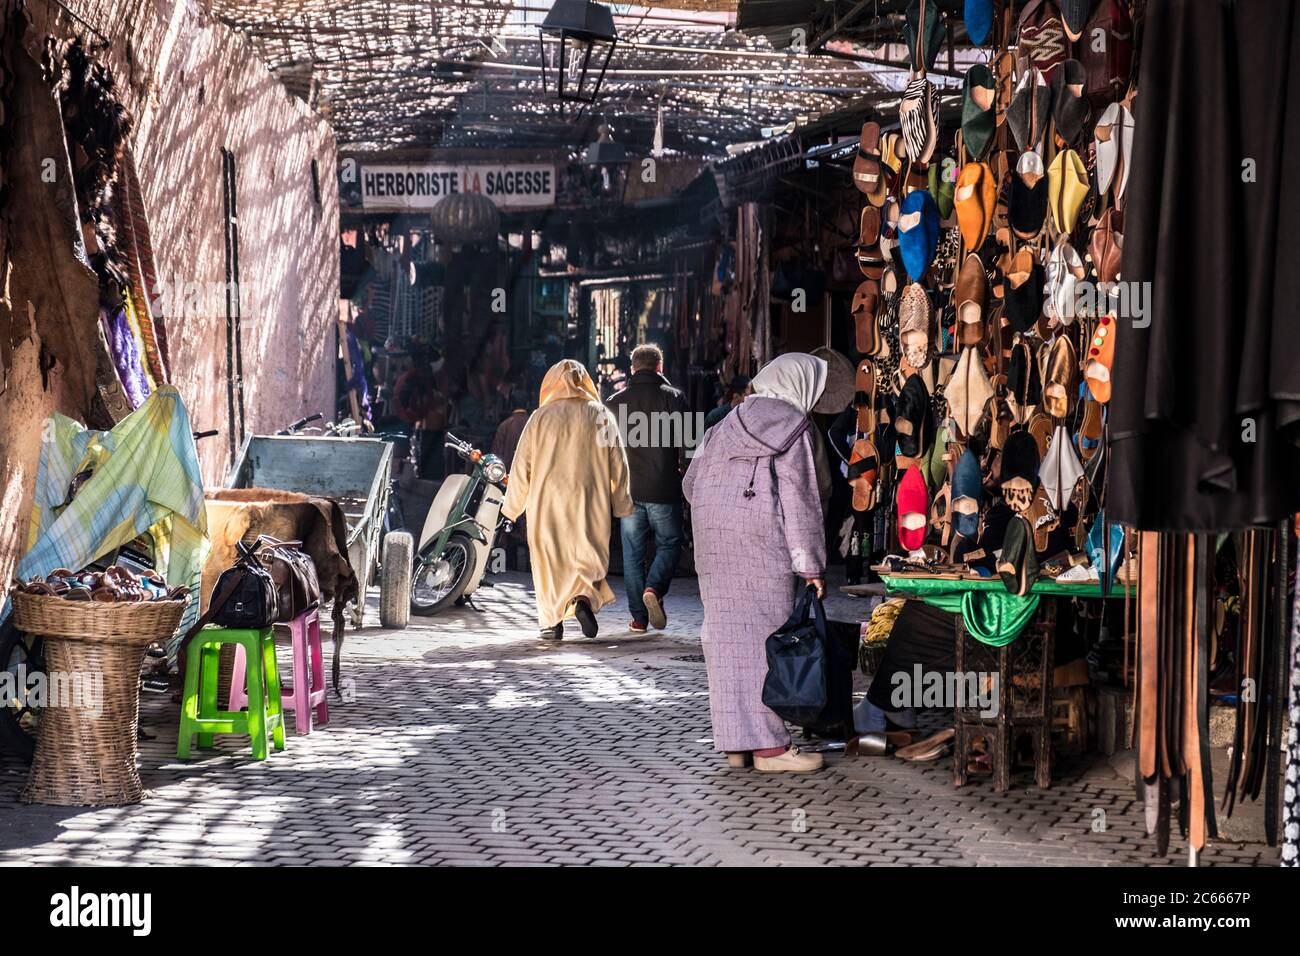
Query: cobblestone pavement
466	741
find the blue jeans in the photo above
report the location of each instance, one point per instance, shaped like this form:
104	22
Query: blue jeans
666	523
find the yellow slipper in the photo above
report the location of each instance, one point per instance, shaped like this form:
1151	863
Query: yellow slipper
1067	187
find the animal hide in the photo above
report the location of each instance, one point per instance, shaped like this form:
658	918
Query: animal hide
319	523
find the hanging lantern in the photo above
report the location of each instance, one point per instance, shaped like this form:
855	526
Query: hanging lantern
574	67
605	166
465	217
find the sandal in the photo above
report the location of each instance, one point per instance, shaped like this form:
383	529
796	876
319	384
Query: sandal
865	301
868	173
914	326
1101	356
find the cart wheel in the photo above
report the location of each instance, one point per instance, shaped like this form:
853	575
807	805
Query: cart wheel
395	579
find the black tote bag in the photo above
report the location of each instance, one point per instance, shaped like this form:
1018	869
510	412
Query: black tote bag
798	662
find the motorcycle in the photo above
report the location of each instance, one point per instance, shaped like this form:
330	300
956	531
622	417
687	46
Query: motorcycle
459	532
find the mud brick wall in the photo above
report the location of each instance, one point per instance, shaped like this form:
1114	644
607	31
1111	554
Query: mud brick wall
193	87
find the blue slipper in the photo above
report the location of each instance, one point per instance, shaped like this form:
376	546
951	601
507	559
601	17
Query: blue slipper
978	16
967	486
918	232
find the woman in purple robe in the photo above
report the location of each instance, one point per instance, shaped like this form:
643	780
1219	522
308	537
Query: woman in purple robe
757	523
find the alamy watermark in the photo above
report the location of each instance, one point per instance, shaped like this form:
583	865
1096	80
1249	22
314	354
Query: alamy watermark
38	689
635	429
945	690
1125	300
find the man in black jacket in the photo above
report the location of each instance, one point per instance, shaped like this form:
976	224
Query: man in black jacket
657	429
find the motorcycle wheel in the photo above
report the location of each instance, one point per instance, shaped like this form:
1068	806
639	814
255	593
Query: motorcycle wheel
440	582
18	721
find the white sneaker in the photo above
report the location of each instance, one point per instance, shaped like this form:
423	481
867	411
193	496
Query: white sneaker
792	761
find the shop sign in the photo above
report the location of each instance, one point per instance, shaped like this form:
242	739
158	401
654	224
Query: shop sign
510	186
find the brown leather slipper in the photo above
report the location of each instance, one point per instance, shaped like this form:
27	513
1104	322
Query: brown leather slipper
931	748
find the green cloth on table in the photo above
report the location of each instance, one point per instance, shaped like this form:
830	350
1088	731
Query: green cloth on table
991	613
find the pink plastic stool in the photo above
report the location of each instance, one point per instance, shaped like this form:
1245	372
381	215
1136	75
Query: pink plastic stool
306	691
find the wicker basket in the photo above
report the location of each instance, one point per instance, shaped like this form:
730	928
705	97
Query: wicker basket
86	749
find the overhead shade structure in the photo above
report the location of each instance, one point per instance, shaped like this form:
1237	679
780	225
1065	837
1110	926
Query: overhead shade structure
465	217
582	39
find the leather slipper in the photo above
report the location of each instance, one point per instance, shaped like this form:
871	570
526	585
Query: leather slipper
918	118
1113	137
974	199
1018	563
967	491
1022	291
931	748
1070	106
967	391
1024	383
977	15
971	294
1061	469
1063	272
1059	382
918	232
1101	356
1027	204
911	419
1074	17
1106	247
1067	188
913	509
1031	107
978	117
930	32
941	187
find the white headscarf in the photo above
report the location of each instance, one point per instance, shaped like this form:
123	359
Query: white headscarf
796	377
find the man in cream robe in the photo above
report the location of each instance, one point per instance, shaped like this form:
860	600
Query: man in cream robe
569	475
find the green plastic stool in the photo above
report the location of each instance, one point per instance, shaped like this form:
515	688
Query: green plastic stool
200	714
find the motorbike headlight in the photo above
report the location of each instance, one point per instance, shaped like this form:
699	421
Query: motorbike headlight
495	471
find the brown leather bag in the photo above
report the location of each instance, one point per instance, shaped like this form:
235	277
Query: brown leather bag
293	573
